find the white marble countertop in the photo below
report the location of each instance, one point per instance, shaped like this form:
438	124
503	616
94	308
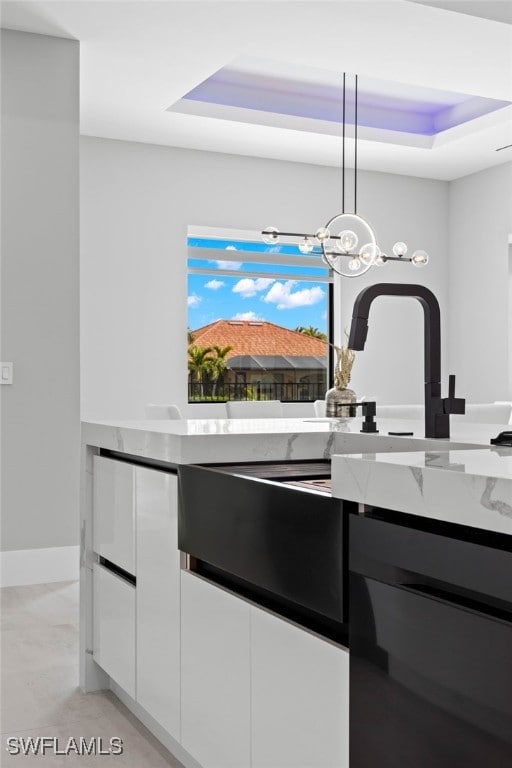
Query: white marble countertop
469	487
233	440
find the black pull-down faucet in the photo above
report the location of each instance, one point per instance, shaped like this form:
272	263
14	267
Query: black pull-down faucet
437	409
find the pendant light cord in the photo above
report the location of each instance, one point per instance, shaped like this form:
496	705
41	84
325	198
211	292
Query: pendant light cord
343	152
355	148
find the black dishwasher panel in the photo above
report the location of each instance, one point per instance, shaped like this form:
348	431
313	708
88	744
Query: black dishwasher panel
431	660
285	542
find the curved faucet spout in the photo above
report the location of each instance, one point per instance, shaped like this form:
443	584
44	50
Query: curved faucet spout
437	410
432	327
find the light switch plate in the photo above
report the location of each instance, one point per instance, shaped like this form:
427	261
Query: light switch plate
6	373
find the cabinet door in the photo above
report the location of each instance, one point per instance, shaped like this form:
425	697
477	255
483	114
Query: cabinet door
114	627
215	675
158	598
114	512
299	697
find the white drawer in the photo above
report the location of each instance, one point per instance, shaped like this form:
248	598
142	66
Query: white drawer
299	696
114	627
215	674
114	512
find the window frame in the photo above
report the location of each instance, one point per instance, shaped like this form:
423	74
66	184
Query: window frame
198	232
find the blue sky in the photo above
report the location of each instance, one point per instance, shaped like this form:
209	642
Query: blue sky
286	302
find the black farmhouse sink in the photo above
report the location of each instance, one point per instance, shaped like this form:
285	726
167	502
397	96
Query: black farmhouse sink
271	532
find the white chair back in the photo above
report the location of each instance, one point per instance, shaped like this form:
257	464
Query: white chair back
154	411
486	413
319	406
505	402
254	409
477	413
413	412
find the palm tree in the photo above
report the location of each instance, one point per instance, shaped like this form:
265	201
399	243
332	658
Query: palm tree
199	364
310	330
219	364
190	337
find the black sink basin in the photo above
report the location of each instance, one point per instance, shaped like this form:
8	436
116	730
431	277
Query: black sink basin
259	528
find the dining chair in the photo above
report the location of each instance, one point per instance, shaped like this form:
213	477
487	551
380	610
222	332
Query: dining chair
254	409
154	411
486	413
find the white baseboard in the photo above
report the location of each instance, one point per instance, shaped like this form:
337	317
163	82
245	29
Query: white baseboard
39	566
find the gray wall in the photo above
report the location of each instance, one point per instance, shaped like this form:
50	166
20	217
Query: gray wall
136	203
480	322
40	290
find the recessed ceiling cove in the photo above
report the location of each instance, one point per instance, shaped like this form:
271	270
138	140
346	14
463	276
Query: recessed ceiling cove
282	95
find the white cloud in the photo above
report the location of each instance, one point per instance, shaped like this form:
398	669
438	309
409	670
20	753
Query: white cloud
282	296
214	285
232	265
194	301
246	316
249	286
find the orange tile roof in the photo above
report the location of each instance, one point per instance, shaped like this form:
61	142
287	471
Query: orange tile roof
257	337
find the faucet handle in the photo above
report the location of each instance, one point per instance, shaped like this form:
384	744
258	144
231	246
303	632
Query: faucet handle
452	404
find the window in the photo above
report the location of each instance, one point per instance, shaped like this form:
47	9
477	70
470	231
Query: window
258	319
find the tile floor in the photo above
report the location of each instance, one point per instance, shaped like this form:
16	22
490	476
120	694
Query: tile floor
39	685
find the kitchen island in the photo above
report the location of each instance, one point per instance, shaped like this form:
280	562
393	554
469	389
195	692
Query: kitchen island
220	679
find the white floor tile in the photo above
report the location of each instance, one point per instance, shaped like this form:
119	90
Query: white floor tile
39	685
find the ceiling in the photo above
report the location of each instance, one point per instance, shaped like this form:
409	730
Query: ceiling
139	58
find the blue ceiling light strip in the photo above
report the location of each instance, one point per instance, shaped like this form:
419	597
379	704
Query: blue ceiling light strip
383	105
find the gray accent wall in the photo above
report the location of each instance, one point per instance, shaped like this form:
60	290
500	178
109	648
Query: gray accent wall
40	431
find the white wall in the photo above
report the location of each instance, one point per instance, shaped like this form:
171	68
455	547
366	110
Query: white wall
415	211
136	203
509	321
479	320
40	292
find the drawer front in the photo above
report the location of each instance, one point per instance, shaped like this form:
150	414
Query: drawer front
114	512
114	627
158	598
384	549
299	696
215	676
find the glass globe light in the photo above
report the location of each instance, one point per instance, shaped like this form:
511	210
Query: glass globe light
347	242
420	258
305	245
270	235
381	260
369	253
322	234
399	249
354	264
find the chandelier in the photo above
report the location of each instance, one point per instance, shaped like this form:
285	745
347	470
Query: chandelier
348	242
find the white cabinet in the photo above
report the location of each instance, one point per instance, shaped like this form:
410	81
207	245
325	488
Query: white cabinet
114	627
236	685
215	675
299	697
257	690
158	597
114	512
